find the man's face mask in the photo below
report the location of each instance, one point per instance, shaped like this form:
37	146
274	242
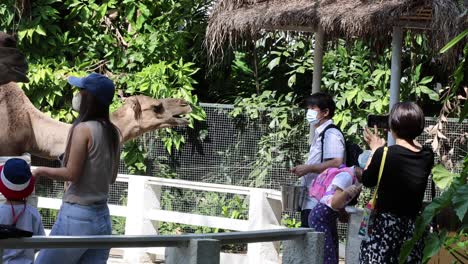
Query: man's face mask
311	117
363	158
76	102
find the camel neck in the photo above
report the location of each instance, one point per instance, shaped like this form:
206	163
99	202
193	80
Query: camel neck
127	125
49	135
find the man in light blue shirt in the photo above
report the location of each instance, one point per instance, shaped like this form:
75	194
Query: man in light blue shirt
320	111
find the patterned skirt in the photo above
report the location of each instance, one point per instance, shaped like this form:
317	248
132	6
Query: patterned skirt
323	219
388	235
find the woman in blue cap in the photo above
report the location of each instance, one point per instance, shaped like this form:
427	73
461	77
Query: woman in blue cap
90	165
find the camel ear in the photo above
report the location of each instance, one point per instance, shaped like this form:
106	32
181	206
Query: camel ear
135	105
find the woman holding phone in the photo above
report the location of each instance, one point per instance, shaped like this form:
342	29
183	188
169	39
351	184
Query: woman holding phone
402	185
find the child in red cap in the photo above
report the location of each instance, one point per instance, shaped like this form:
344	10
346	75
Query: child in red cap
16	184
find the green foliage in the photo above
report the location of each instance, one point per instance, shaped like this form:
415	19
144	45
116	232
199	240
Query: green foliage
208	203
454	41
358	78
235	208
164	80
118	222
146	47
360	86
455	197
360	81
290	222
49	214
295	56
459	74
414	85
275	62
248	78
454	186
432	245
118	225
284	135
134	155
442	177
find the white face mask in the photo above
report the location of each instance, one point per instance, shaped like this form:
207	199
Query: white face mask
76	102
311	117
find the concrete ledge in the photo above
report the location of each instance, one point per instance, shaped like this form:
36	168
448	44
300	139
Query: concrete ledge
306	250
198	251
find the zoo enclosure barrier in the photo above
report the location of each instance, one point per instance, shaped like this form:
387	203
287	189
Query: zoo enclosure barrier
301	245
143	214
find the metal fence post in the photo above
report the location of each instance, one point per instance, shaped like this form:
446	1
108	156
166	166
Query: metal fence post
141	198
308	250
199	251
263	213
395	78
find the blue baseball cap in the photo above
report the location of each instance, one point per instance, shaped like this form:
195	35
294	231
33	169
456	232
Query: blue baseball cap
99	85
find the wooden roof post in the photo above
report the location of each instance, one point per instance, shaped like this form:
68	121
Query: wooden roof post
395	78
318	60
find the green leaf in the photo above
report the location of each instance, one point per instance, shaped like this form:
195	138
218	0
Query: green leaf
301	69
434	96
292	80
442	201
442	177
460	201
275	62
40	30
130	13
454	41
419	39
405	250
242	66
378	74
417	72
424	89
432	245
351	94
426	79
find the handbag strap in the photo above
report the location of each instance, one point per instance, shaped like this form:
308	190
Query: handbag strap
382	165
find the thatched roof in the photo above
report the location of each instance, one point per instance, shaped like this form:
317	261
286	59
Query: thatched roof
233	20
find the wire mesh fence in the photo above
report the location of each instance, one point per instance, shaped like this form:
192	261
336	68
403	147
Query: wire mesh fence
223	150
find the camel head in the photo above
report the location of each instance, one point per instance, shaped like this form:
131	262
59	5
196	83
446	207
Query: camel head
13	65
7	41
140	114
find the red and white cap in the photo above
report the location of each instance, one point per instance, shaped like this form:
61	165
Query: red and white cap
16	181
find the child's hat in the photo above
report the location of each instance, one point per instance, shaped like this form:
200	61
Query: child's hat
16	181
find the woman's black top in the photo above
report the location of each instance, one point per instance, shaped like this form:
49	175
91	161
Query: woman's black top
404	179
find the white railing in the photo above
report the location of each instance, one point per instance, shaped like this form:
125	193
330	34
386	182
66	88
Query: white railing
143	214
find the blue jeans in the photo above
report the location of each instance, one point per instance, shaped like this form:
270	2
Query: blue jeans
78	220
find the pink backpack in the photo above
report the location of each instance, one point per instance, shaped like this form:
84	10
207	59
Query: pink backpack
323	180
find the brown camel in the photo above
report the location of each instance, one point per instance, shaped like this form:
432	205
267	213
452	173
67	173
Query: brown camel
25	129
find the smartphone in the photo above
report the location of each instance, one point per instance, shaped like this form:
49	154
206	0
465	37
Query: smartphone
381	121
